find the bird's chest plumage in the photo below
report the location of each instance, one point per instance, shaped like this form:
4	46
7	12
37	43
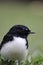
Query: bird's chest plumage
15	49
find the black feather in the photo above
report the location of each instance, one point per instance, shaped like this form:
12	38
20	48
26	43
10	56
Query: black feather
27	43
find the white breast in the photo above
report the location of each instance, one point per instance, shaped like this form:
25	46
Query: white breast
15	49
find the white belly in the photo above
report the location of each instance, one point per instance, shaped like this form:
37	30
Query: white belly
15	49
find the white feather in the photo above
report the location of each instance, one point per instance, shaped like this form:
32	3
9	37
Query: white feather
15	49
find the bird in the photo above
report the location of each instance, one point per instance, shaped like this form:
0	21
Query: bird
14	45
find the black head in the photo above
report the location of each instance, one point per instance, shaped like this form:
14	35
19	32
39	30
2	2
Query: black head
20	30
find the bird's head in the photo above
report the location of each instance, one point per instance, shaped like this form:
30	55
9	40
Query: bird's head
20	30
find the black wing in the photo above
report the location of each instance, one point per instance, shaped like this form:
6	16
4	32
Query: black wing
6	38
27	43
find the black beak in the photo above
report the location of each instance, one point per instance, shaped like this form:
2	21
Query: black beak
32	32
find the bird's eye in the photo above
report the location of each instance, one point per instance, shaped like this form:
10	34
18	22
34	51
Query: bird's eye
26	29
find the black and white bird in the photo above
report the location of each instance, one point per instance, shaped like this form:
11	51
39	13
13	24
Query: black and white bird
14	45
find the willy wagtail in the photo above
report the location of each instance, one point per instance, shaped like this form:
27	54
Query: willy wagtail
14	45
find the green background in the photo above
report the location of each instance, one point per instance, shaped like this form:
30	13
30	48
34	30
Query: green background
30	15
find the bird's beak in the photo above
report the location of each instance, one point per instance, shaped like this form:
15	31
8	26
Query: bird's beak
32	32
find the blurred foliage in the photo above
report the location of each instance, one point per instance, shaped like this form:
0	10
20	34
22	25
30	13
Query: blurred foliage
37	59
